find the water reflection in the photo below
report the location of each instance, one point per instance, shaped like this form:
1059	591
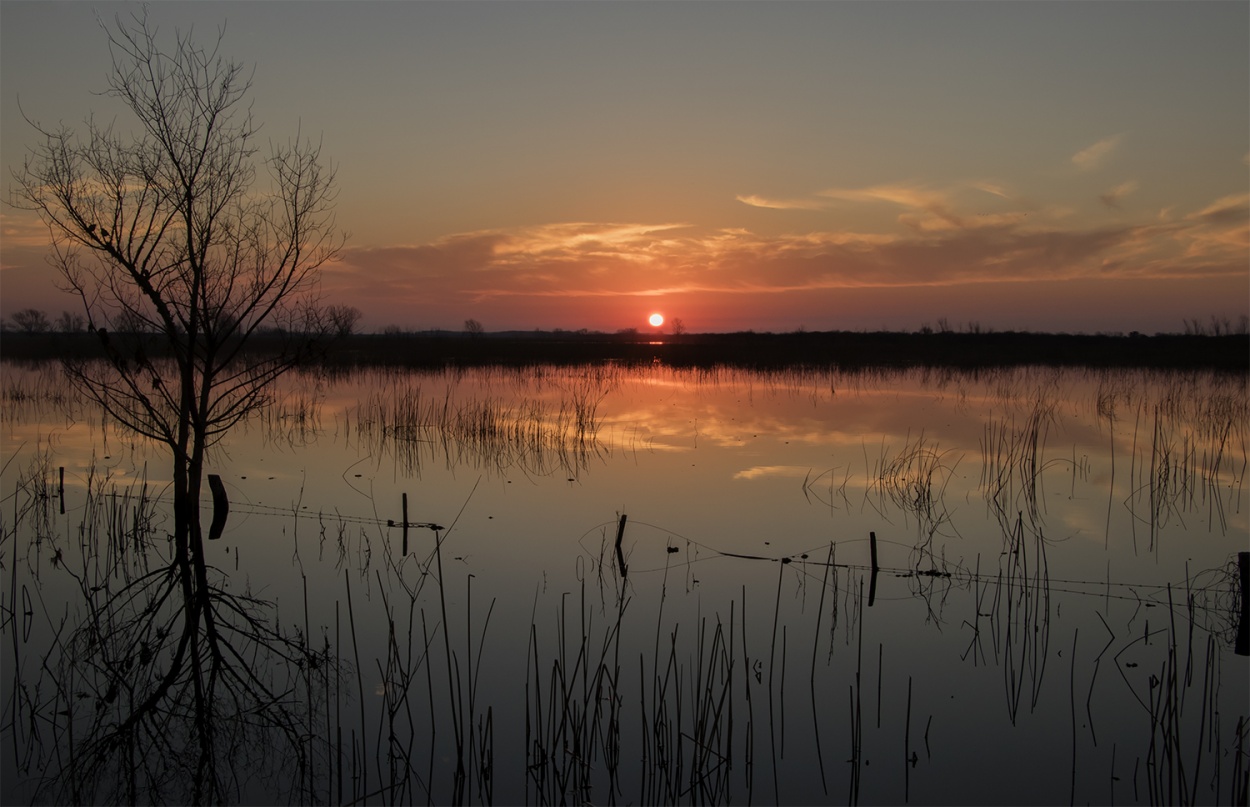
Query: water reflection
1047	612
497	433
156	683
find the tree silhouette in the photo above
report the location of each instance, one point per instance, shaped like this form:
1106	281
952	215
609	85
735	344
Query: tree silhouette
153	691
182	265
165	234
343	319
32	320
70	322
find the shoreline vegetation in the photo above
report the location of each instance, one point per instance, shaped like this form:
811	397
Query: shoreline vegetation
436	349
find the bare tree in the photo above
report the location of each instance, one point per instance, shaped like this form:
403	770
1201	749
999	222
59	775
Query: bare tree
473	328
677	326
343	319
70	322
32	320
165	233
181	263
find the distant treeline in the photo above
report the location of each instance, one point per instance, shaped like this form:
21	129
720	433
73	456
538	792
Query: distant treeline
1225	353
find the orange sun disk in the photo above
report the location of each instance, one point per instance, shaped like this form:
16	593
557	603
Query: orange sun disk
656	320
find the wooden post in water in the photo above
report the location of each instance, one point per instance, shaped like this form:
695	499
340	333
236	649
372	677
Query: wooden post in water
221	507
872	583
405	524
1243	624
620	534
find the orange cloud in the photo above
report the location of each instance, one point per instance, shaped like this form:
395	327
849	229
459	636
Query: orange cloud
940	239
581	260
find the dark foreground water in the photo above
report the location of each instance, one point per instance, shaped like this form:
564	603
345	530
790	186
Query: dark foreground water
640	586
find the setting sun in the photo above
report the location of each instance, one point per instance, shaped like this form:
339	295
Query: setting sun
656	320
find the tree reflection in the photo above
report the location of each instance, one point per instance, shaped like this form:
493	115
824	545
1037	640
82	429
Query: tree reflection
166	686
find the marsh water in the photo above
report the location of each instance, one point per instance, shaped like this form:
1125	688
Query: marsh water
611	584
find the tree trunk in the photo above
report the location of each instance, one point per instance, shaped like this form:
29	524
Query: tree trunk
183	510
195	535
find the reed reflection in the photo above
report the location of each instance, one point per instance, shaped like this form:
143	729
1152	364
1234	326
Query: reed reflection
493	434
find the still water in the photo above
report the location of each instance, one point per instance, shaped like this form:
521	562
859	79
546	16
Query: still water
646	585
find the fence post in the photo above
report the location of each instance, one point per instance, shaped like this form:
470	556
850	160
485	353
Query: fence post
872	583
405	524
620	557
221	507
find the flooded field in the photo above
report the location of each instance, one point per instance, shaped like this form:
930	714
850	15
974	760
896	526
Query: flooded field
618	585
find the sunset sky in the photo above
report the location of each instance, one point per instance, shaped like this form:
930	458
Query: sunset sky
751	165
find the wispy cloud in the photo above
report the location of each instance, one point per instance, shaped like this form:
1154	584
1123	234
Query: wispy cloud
925	209
23	229
1091	157
582	238
1112	197
992	188
929	210
1227	208
780	204
917	196
1220	228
